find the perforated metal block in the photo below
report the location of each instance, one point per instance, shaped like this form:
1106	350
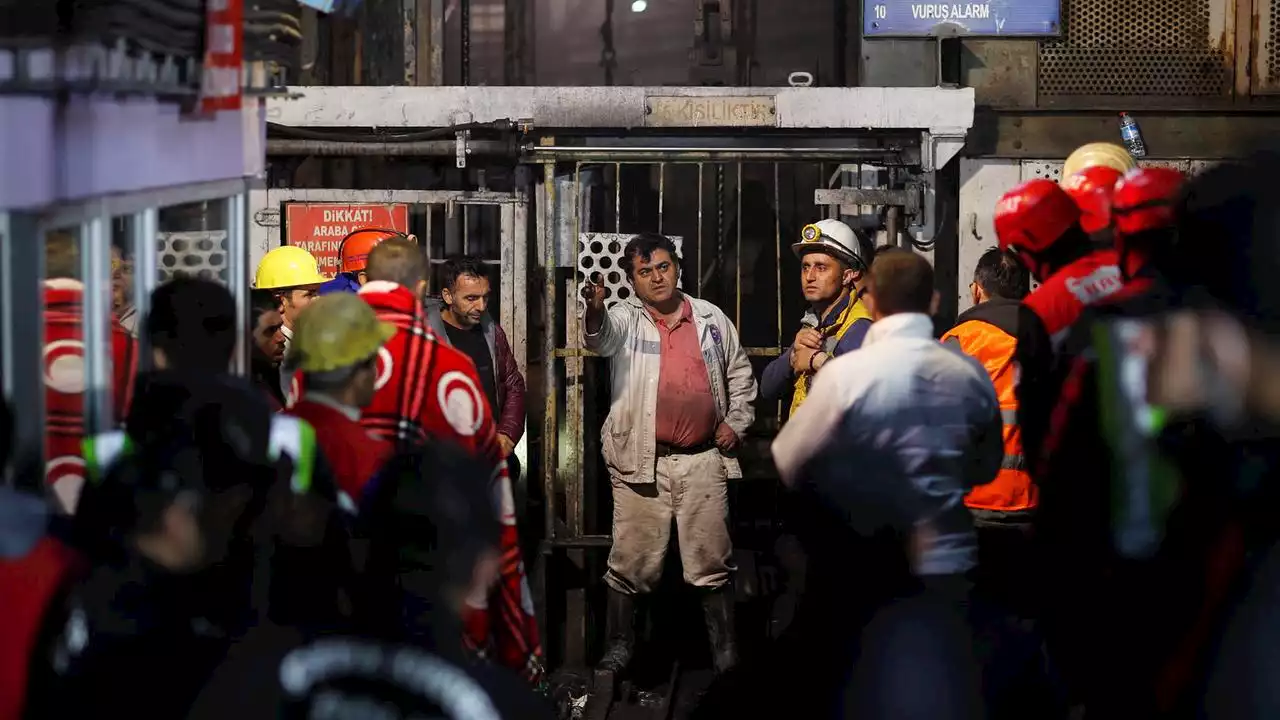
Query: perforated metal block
195	254
600	253
1266	65
1158	48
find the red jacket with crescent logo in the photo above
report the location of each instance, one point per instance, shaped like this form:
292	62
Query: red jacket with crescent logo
64	377
427	389
1044	323
33	582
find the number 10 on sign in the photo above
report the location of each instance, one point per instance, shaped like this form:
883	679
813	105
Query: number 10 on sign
881	12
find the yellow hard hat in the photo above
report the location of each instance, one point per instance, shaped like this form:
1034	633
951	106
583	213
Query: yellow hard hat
334	332
1105	154
287	266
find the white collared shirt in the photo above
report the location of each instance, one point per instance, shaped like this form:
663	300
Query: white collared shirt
903	407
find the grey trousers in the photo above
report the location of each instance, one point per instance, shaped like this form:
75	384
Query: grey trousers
690	488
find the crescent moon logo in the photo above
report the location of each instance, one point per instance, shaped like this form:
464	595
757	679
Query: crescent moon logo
66	475
461	403
64	366
385	366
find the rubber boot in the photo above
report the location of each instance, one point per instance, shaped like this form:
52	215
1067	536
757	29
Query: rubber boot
620	622
717	608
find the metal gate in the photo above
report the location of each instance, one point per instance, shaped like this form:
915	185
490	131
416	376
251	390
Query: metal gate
732	223
491	226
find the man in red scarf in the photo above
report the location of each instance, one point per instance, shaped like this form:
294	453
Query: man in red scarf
424	389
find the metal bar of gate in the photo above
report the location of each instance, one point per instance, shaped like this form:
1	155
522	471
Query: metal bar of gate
738	253
777	256
95	273
617	198
546	230
699	267
662	191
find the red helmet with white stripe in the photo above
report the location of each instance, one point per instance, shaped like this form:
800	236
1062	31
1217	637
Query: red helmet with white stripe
1092	189
1032	217
1144	199
1143	208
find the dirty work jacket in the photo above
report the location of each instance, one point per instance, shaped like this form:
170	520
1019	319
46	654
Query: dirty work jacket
629	337
988	333
895	434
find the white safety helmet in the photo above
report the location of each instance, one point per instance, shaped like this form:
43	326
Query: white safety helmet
833	238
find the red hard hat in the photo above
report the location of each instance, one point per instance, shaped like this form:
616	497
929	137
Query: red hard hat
357	245
1092	189
1032	216
1144	199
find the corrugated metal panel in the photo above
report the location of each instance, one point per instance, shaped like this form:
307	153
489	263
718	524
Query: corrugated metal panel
1164	48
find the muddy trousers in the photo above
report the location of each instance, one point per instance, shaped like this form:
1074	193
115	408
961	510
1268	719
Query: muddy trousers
692	491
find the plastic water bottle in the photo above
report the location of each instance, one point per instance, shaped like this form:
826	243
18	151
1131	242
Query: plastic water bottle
1131	135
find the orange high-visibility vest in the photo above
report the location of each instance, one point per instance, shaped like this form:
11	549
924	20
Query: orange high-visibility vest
1012	491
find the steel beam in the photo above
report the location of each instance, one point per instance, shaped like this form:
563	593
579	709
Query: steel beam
1042	135
938	110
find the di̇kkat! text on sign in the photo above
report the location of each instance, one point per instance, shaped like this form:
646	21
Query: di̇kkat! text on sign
319	228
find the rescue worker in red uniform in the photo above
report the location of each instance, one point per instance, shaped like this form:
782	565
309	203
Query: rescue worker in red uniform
64	371
354	256
35	568
335	346
1148	546
1039	222
425	389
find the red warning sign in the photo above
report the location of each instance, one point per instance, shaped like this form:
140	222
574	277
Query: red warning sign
319	228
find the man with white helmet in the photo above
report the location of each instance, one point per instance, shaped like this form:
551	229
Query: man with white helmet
833	264
293	276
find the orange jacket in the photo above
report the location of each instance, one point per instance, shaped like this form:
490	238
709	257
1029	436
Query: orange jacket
988	333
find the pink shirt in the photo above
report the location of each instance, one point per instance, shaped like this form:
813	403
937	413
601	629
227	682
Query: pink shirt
686	415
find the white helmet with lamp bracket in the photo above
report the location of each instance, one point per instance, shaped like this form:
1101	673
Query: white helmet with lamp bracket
831	237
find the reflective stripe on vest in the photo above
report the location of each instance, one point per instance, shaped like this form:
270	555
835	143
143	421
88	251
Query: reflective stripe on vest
1016	461
289	436
852	312
1011	491
294	437
102	450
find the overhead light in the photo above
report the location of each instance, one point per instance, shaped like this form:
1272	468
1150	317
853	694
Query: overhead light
639	6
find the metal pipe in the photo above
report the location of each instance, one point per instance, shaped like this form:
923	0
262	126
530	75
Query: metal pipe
703	154
617	198
420	148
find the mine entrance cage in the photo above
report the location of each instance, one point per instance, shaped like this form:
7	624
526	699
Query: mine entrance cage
732	219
